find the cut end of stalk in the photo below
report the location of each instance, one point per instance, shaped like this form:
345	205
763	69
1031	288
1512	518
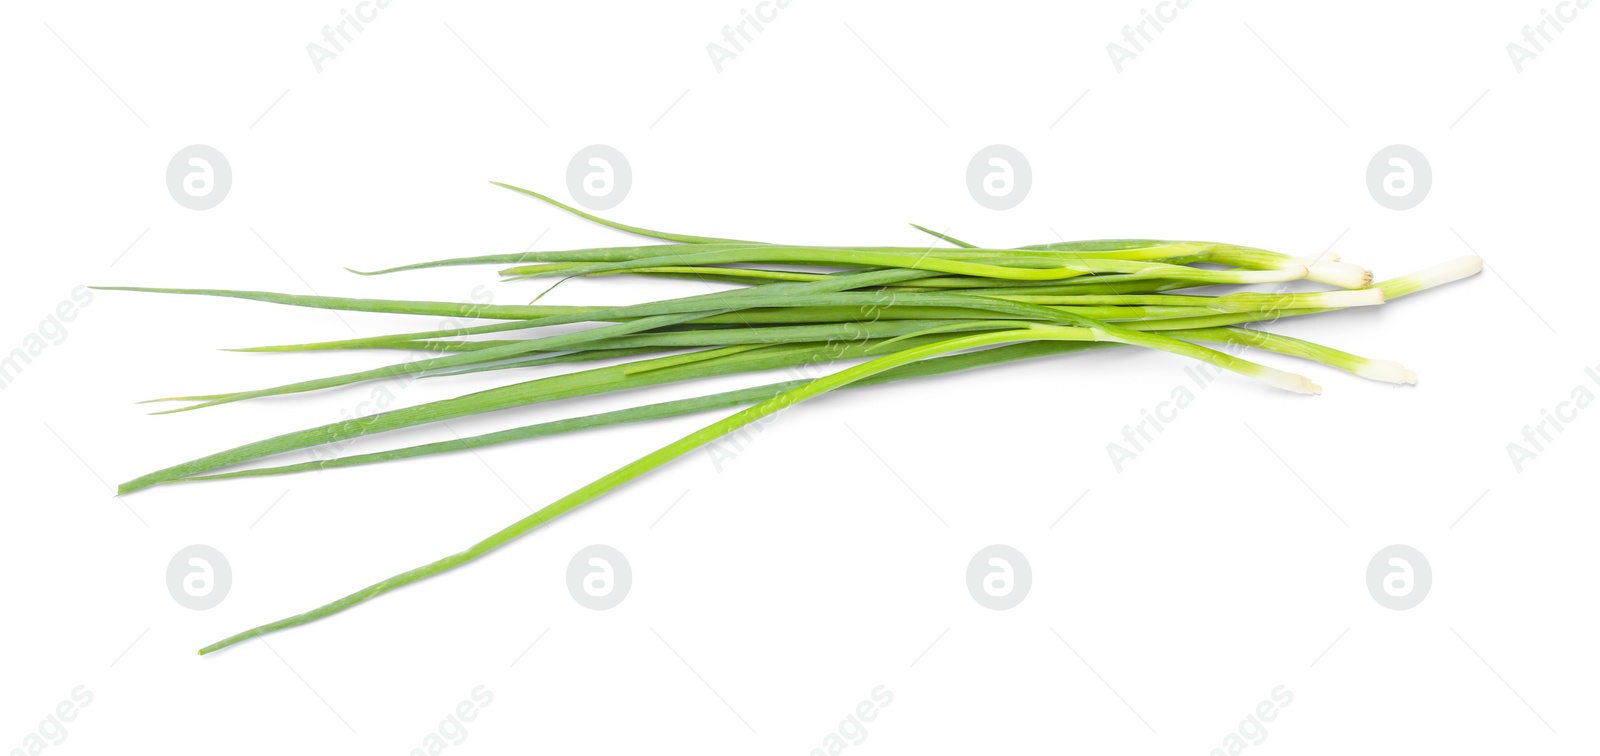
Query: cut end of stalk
1453	270
1437	275
1386	370
1341	274
1299	384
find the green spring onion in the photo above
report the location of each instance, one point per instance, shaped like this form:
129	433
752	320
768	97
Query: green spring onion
891	313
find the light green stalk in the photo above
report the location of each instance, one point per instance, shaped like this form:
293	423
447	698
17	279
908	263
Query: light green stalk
655	459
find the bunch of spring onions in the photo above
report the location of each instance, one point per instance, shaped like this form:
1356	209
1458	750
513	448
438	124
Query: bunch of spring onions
889	313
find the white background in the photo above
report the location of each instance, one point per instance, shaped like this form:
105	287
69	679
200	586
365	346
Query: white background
829	558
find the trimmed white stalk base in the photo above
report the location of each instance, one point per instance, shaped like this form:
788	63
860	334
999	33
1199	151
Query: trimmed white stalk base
1289	381
1386	370
1341	274
1446	272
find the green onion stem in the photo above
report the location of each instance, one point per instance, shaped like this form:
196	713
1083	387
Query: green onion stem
906	311
651	461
